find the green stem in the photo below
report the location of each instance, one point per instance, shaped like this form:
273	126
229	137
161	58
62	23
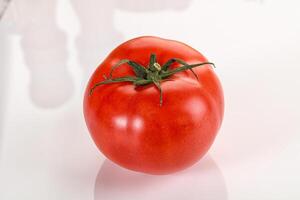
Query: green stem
155	73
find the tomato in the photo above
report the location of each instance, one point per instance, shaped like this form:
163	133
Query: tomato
151	118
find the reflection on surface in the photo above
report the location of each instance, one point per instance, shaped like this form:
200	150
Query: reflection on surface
121	122
202	181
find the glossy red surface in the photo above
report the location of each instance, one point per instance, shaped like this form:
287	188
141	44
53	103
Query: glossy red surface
130	127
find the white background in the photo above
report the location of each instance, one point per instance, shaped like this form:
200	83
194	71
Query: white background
49	48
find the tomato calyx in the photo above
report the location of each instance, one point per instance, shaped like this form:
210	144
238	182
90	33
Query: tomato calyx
154	73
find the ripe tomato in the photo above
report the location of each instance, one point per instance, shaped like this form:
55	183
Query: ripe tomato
137	129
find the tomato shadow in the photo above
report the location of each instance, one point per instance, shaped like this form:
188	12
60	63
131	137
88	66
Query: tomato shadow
4	74
202	181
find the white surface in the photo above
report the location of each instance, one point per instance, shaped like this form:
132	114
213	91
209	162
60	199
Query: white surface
45	149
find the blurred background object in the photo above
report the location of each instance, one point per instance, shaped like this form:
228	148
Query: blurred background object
45	45
5	56
45	52
152	6
3	7
202	181
97	34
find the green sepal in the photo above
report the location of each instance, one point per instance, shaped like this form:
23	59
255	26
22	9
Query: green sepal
116	80
173	60
165	74
153	74
139	70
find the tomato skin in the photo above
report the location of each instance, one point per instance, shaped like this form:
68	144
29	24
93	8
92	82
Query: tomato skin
130	127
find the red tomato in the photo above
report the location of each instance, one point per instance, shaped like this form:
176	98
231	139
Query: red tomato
133	128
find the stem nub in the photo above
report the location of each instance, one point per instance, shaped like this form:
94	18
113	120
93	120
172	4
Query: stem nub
155	73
